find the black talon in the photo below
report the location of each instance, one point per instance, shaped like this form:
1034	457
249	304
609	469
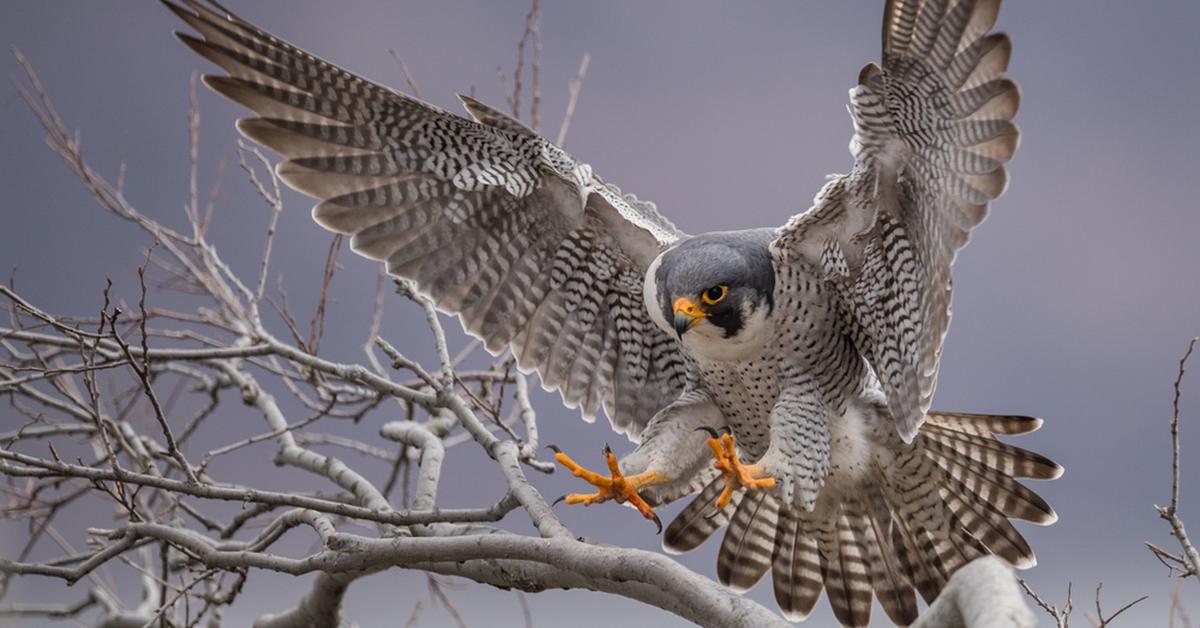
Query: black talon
555	502
554	448
658	522
607	450
727	429
711	432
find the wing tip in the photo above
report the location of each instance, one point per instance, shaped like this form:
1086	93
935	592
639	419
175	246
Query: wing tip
177	9
196	44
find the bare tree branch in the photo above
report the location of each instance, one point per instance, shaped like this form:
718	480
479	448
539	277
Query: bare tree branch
574	88
1100	621
1187	563
1062	619
408	77
983	594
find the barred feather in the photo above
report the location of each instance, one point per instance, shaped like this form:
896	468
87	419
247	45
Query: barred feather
699	519
796	566
749	543
988	525
872	526
984	424
933	131
1001	490
906	517
921	521
995	455
491	221
844	568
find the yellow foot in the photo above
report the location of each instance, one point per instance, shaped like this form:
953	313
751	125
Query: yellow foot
737	475
618	487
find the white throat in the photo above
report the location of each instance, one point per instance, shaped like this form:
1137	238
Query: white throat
708	341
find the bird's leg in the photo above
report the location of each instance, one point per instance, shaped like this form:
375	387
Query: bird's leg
737	475
617	486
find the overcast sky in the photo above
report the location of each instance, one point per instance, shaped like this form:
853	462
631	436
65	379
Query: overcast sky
1073	301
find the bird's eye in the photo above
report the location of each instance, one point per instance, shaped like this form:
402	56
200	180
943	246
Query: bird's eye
715	294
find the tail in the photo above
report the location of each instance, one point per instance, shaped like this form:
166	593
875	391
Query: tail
900	522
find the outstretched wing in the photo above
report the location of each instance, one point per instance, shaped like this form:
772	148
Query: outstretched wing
932	134
491	221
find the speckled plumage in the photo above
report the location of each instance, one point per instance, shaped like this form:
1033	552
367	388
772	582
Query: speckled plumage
821	352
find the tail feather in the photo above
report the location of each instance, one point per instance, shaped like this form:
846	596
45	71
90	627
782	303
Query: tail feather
997	456
844	568
987	524
899	520
749	543
699	519
967	548
919	572
984	424
889	577
1008	495
919	513
796	566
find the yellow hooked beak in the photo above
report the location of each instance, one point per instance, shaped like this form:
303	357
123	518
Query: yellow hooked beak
687	314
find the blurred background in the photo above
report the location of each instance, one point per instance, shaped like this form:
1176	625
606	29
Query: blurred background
1073	302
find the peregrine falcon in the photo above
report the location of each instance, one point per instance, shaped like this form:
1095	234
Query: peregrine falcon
783	375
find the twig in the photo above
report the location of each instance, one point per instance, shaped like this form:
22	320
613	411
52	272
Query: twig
399	361
192	208
220	451
317	325
273	200
51	611
436	592
533	25
1100	621
1177	609
213	194
143	374
37	467
572	97
408	77
414	617
347	443
525	614
122	164
1062	619
1190	557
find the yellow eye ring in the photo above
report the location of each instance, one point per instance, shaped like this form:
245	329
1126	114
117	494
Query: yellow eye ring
714	295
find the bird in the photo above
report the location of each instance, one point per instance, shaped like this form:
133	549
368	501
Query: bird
782	377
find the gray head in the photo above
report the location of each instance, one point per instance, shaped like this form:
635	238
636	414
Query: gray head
713	291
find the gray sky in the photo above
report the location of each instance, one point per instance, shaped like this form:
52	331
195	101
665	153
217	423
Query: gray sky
1073	301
